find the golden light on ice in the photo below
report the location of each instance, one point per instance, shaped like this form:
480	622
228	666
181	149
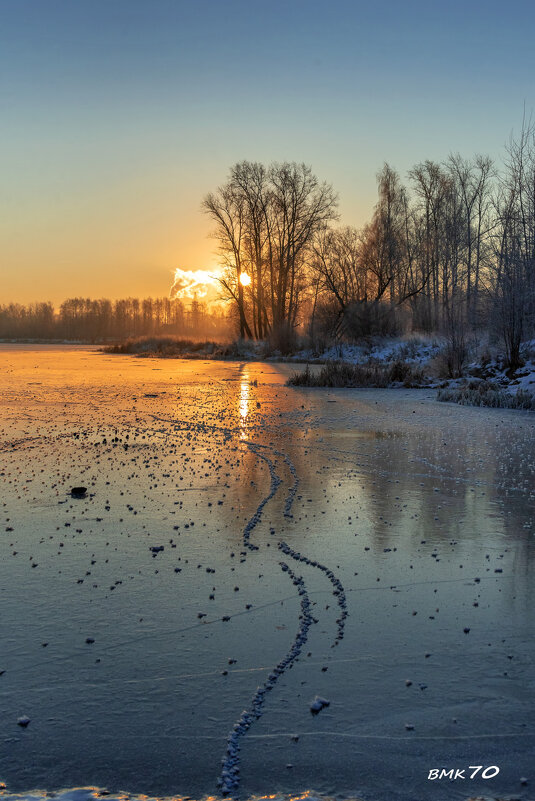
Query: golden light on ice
245	279
244	399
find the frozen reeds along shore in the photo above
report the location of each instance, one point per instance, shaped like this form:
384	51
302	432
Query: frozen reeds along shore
209	576
344	374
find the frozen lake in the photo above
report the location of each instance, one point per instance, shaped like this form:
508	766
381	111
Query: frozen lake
410	611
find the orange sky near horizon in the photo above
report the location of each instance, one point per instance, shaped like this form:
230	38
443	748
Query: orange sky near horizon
60	254
122	236
119	117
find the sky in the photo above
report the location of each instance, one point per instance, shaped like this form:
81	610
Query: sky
118	117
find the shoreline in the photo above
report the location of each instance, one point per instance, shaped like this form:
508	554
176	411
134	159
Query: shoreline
386	364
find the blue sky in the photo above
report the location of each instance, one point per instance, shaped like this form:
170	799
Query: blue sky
119	115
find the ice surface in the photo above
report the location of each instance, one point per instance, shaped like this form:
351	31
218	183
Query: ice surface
404	521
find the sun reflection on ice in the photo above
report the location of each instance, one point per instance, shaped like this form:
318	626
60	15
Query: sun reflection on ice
244	400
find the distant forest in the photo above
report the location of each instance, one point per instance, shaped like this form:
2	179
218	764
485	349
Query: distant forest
100	320
451	252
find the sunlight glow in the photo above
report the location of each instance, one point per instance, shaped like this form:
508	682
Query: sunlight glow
245	279
194	283
244	400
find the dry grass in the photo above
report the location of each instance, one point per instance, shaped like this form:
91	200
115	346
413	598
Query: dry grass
342	374
172	347
486	393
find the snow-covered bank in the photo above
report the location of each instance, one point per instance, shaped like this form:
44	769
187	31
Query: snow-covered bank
479	379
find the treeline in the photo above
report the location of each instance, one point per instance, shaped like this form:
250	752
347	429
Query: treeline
100	320
450	251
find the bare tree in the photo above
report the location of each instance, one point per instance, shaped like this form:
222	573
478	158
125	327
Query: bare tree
266	219
514	285
472	180
431	186
301	206
250	181
227	208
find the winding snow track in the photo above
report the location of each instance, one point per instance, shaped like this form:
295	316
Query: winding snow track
229	780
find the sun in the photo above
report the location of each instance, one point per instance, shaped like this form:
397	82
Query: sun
245	279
